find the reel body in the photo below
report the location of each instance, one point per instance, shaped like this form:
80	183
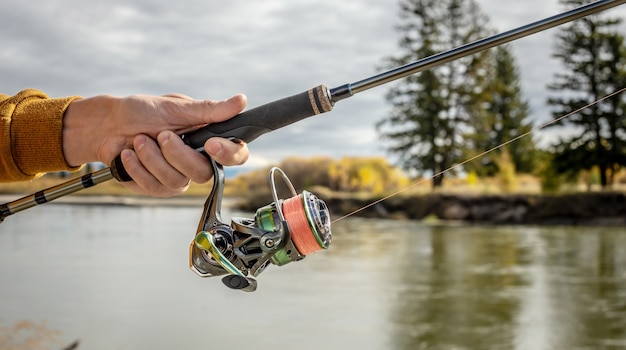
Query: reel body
281	232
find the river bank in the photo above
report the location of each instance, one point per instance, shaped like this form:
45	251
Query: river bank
589	208
562	209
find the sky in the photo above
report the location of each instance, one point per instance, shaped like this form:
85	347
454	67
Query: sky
265	49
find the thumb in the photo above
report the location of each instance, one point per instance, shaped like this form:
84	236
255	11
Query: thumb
185	97
218	111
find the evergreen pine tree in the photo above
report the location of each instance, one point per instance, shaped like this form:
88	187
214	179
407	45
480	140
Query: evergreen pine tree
500	117
592	53
430	110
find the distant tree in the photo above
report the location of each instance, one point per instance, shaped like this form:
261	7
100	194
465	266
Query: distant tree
307	172
431	110
372	175
350	174
594	60
502	116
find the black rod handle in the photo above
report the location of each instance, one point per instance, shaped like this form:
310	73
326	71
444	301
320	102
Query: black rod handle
249	125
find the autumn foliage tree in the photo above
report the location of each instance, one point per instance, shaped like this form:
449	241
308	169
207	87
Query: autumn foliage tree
372	175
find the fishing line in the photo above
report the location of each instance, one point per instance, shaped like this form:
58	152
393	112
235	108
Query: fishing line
458	165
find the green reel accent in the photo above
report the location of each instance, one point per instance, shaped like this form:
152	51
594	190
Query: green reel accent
266	218
206	241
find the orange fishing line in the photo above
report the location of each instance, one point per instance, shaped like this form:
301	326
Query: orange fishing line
301	233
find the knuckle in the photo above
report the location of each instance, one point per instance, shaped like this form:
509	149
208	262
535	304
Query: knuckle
153	189
202	177
176	183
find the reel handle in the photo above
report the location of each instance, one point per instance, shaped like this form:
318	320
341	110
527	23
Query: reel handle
249	125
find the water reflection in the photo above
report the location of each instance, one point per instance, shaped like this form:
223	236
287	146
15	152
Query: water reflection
517	288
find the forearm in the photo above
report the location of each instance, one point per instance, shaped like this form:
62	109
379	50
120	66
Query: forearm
31	140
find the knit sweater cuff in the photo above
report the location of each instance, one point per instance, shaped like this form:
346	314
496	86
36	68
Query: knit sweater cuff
37	133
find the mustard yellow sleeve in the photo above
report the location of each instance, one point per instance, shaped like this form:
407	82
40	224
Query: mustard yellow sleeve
31	135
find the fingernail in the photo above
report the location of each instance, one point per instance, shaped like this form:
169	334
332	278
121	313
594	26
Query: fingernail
140	141
163	138
126	155
213	148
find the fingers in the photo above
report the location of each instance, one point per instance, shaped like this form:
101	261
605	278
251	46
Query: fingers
187	161
226	152
160	163
166	167
150	171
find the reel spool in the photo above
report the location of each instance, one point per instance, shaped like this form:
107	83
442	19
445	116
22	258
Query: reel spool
281	232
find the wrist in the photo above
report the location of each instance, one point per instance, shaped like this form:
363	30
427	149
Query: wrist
83	130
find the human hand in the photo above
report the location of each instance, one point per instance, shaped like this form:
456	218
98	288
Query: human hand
144	131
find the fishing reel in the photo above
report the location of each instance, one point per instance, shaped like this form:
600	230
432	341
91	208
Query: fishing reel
281	232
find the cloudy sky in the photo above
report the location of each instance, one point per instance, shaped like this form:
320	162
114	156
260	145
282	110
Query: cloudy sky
265	49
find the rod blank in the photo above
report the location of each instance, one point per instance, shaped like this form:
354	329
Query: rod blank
55	192
345	91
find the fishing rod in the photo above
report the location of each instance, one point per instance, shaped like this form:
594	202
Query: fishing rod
287	229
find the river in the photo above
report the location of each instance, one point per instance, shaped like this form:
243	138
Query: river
117	277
